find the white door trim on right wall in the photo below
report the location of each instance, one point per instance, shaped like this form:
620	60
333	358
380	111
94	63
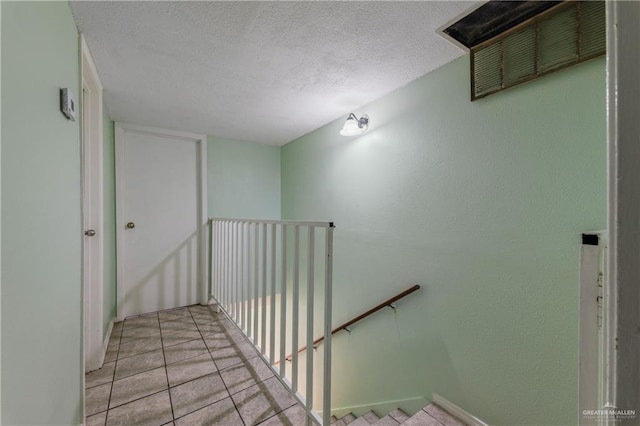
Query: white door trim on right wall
622	375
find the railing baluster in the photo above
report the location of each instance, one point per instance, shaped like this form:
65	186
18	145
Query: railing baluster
221	252
328	306
241	273
216	290
256	281
242	270
263	313
236	273
229	259
295	307
210	262
225	277
248	281
272	316
310	305
283	304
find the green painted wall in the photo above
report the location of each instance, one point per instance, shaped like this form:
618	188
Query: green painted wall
41	226
482	203
243	179
109	205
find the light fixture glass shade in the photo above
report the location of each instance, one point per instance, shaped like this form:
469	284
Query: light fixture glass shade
354	125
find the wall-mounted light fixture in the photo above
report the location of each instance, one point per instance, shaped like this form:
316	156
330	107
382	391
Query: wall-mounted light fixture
354	125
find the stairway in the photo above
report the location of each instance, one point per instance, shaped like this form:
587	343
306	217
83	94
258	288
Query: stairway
431	415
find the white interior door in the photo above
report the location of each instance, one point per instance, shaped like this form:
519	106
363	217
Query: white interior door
160	214
92	183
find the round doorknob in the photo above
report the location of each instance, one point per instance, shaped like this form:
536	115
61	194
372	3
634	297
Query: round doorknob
90	233
131	225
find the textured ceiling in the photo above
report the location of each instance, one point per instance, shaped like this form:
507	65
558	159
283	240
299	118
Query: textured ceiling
264	72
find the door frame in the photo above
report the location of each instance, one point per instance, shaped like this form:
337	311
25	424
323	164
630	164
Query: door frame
92	135
201	141
622	350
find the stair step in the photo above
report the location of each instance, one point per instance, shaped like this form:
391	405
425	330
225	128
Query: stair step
345	420
399	416
442	415
387	421
421	418
333	419
371	417
360	421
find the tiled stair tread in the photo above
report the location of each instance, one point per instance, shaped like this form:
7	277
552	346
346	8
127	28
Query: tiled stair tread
441	415
399	416
421	418
386	421
360	421
370	417
345	420
431	415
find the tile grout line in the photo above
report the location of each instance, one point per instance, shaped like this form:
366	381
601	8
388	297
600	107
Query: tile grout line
227	335
218	370
115	365
166	373
210	374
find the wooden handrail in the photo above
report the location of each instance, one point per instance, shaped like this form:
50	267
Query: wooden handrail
373	310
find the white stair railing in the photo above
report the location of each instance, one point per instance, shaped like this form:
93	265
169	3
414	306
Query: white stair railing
254	276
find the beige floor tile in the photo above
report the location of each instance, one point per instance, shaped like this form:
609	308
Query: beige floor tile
153	410
200	309
143	320
210	327
184	350
101	376
220	413
97	419
174	314
189	369
226	352
139	363
292	416
112	349
97	399
138	386
183	323
150	331
197	393
180	336
262	401
243	376
139	346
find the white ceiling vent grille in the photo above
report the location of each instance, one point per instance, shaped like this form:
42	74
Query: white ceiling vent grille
565	35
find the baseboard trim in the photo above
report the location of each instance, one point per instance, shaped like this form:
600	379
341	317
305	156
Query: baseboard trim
105	343
408	405
456	411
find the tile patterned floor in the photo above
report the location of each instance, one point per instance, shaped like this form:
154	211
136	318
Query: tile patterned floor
187	366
